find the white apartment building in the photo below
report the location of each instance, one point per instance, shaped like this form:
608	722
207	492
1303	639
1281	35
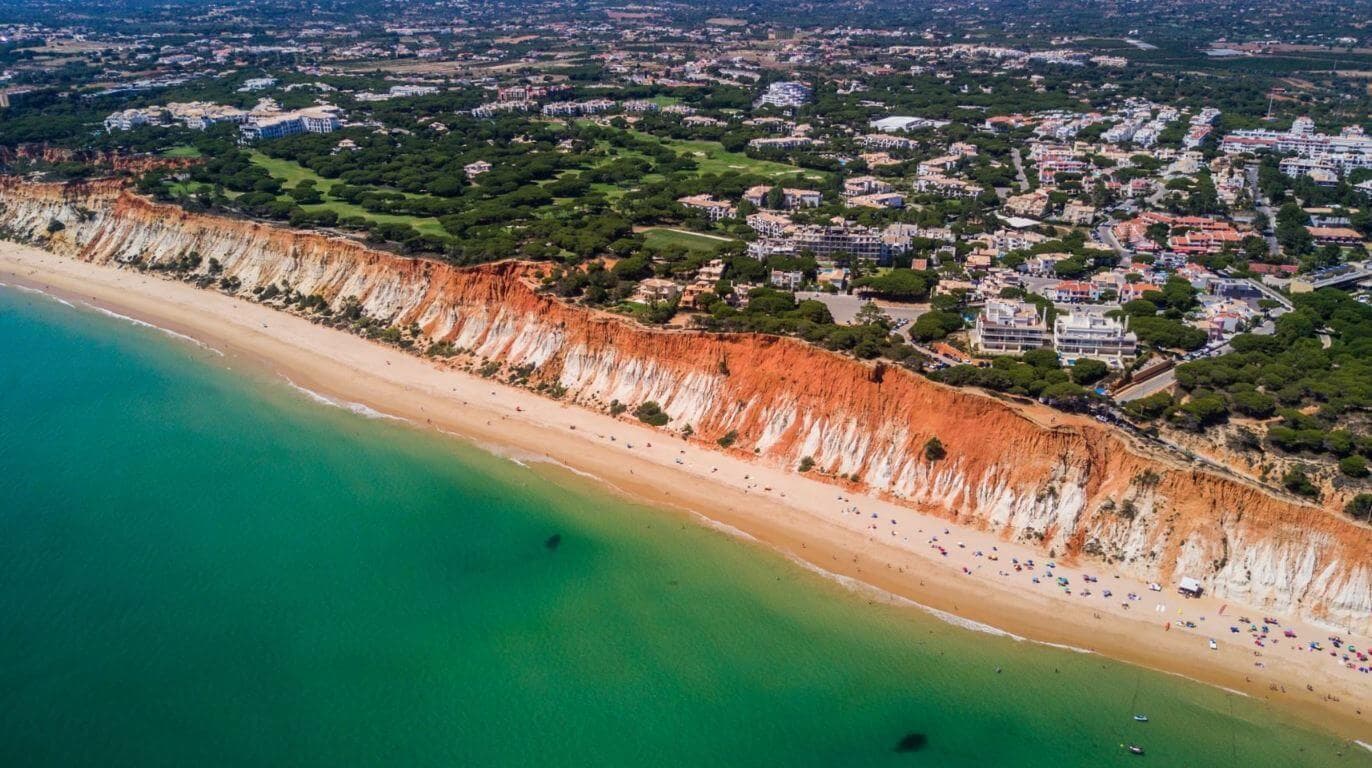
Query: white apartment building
401	91
398	92
1350	149
787	281
865	185
887	141
782	142
900	123
714	209
1121	132
1009	327
768	224
762	248
257	84
321	119
878	200
1079	334
494	108
199	115
127	120
791	198
787	93
946	186
196	115
828	240
574	108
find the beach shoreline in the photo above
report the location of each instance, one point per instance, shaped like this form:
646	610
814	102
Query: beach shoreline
810	522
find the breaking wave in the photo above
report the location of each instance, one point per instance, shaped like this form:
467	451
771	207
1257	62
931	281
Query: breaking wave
27	289
146	324
360	409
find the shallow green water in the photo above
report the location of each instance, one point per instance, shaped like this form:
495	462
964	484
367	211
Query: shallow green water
203	567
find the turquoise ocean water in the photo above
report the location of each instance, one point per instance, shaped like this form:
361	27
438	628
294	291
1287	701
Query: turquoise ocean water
200	566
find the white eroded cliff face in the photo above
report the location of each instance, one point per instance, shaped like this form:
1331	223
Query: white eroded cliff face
1073	486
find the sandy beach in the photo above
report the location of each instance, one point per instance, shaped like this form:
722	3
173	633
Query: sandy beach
898	552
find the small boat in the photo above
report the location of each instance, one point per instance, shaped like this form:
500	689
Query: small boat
1213	646
1135	749
1141	718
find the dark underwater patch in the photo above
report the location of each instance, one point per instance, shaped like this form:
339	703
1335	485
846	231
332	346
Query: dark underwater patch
912	742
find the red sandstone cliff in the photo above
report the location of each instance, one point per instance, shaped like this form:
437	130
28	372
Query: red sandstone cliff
119	162
1076	486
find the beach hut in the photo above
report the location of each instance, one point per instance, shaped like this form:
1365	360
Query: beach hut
1190	587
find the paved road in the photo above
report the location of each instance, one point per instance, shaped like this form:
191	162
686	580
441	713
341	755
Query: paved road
1276	296
1151	387
1155	199
1163	380
1019	170
1105	233
1261	204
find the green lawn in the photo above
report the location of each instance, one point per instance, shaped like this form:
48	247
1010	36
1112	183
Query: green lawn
712	157
424	224
611	192
183	150
291	173
188	188
659	237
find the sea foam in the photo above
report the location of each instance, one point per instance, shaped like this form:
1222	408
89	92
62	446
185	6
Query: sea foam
360	409
861	587
27	289
145	324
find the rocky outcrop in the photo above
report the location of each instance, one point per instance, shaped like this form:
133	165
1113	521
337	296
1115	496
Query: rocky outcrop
1078	488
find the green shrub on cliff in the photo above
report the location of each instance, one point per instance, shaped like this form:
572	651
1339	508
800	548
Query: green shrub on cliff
1296	481
1360	507
1353	466
652	414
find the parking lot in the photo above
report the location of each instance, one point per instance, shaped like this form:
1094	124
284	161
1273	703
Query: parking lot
844	307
